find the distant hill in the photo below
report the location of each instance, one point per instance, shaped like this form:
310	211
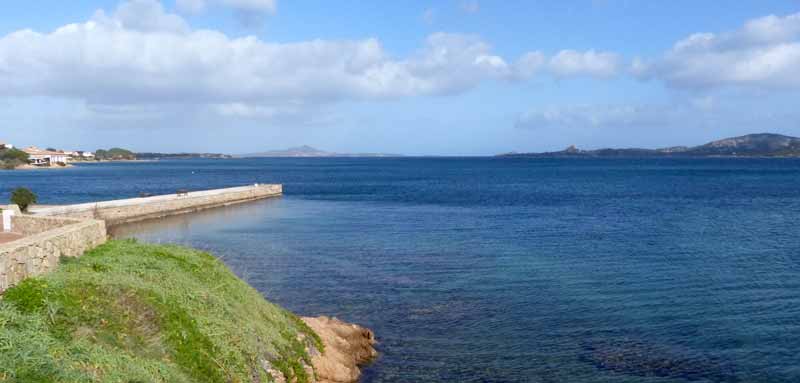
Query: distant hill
307	151
751	145
114	154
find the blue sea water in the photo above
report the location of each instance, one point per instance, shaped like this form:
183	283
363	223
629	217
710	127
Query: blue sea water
506	270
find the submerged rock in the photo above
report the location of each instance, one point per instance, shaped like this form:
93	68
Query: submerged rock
347	346
638	358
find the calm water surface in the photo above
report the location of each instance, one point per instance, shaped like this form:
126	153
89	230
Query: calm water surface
506	270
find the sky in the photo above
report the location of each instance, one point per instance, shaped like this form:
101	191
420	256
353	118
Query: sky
448	77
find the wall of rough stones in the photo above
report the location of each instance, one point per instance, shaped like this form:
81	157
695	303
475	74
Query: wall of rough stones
69	231
40	252
32	225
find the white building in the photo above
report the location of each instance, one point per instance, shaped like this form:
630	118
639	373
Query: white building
39	157
4	145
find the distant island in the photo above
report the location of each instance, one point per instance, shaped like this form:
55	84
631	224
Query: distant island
308	151
751	145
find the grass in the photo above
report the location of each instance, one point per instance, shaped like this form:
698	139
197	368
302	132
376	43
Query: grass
132	312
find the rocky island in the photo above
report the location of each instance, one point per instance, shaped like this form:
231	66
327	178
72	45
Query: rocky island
751	145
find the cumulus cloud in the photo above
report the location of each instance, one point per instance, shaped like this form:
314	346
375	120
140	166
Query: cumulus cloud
141	54
591	63
530	64
143	16
763	53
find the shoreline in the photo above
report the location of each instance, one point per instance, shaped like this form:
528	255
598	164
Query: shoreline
337	357
32	167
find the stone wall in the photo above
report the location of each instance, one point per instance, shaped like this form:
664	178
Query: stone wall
69	231
29	225
40	252
138	209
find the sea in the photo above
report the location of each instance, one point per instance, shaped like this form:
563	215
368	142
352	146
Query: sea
504	269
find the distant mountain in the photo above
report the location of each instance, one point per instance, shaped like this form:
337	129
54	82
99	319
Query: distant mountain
751	145
307	151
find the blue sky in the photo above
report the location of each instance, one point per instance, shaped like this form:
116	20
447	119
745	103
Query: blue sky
448	77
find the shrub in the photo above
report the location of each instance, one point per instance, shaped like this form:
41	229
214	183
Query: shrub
23	198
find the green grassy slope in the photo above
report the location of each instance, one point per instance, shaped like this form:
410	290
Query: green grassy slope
132	312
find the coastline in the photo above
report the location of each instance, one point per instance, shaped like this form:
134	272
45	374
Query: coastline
31	167
332	350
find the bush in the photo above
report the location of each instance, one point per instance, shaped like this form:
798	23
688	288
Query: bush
23	198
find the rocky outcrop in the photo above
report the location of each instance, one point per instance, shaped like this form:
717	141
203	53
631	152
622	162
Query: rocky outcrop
347	346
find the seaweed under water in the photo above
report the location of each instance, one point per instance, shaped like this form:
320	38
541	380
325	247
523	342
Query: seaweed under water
638	357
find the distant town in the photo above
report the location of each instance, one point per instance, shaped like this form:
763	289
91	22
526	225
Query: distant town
32	157
12	157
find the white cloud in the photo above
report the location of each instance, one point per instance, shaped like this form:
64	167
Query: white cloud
763	53
142	55
143	16
530	64
590	63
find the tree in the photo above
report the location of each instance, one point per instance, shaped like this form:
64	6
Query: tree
23	198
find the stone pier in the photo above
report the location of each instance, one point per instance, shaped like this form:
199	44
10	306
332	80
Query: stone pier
31	244
139	209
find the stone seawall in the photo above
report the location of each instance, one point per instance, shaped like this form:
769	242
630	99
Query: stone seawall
138	209
47	240
29	225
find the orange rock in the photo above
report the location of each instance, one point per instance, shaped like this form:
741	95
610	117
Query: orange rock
347	346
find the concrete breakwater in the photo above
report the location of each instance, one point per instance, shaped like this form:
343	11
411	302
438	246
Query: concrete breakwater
138	209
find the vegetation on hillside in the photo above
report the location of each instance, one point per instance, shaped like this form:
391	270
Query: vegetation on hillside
131	312
114	154
11	158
